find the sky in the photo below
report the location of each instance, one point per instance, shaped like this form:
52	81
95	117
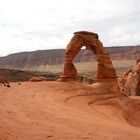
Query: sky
28	25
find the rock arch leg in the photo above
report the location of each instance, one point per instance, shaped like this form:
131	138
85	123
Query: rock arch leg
71	51
105	68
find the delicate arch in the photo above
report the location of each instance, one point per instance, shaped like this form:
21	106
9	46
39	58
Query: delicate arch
91	40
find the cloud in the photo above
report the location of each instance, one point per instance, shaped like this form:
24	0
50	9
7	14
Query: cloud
27	25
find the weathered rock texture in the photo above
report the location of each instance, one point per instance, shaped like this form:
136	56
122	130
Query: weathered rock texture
91	41
130	80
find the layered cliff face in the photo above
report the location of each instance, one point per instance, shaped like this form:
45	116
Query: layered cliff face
53	57
36	58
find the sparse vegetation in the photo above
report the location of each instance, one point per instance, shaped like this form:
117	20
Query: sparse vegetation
21	75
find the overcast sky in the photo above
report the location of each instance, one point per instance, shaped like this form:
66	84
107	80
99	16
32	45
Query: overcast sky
27	25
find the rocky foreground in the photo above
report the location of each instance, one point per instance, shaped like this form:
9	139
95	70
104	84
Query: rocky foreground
66	111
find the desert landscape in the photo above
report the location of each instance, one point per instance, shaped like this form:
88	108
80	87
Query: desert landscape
69	69
49	110
63	104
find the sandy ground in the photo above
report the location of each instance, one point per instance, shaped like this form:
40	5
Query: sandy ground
44	111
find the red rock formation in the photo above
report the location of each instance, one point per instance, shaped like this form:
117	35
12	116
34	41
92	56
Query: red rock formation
4	81
91	41
130	80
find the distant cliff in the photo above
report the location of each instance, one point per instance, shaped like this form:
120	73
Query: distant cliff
52	57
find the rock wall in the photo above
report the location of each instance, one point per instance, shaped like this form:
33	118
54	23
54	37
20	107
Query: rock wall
130	81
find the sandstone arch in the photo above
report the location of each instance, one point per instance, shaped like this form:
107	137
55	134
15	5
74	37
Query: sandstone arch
105	70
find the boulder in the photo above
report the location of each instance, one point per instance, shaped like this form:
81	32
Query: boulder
38	79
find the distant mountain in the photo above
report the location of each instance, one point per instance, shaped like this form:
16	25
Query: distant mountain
56	56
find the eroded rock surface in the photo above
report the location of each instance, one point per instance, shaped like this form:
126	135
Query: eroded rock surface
130	80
